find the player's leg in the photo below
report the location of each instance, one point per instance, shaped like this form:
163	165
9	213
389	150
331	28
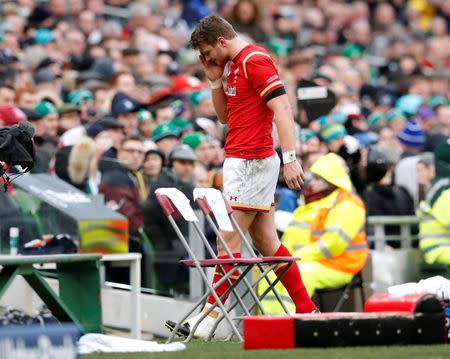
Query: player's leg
232	239
236	191
265	239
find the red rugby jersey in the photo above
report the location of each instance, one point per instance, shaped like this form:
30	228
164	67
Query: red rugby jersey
252	80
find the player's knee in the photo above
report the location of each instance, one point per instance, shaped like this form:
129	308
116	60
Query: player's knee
232	241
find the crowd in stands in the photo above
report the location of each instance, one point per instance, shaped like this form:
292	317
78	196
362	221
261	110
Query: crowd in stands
121	107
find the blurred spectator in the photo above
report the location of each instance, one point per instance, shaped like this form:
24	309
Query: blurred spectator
382	197
69	117
124	186
77	165
200	143
425	172
26	97
166	137
146	124
412	139
178	174
415	174
194	11
108	134
125	109
201	176
7	95
245	18
50	118
152	167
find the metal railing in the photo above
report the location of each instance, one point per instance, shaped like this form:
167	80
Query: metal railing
379	236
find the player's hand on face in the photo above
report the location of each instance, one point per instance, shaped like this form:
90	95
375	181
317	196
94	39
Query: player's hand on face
294	175
212	70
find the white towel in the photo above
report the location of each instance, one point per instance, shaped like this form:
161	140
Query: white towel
100	343
437	285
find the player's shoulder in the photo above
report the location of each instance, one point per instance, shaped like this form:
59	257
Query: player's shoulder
254	53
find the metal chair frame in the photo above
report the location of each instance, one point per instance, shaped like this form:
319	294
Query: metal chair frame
242	265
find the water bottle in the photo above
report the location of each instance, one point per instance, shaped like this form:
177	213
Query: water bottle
13	241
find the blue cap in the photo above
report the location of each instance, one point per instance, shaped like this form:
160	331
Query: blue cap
122	103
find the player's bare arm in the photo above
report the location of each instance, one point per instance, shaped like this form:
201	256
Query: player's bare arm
214	74
293	172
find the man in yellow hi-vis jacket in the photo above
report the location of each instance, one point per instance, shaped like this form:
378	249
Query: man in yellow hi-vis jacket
434	212
327	232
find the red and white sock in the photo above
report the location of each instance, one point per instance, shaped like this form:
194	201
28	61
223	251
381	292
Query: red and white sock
225	285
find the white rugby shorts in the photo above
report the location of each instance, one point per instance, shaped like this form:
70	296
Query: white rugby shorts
249	185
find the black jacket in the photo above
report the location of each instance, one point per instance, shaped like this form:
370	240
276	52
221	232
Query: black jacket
388	201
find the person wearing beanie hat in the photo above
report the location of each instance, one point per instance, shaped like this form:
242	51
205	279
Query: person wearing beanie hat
183	126
178	174
80	97
203	104
434	228
348	147
435	101
375	120
409	104
382	196
152	166
309	142
412	139
194	139
396	120
50	118
201	144
125	109
46	137
166	136
198	96
146	123
333	135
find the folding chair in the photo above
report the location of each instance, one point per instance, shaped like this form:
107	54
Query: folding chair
214	206
175	205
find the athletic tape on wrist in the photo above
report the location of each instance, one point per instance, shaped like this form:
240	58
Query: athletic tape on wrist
289	157
216	84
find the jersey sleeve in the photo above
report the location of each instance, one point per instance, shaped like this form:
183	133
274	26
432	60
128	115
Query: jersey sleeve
262	74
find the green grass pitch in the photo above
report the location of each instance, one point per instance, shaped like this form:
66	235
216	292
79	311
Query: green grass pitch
234	350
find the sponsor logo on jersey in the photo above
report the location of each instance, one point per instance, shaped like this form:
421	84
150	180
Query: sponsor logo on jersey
231	90
271	79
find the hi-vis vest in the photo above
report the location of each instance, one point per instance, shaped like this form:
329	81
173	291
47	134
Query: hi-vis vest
331	231
434	228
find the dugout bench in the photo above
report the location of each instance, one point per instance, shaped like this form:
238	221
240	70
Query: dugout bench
79	298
